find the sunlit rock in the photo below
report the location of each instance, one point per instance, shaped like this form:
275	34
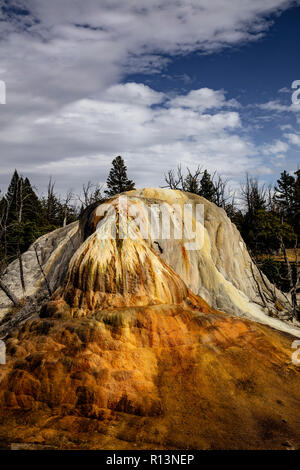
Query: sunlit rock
130	351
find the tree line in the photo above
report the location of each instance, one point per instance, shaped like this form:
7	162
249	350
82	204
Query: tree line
25	216
266	216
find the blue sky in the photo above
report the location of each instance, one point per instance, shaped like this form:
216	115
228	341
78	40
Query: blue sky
160	82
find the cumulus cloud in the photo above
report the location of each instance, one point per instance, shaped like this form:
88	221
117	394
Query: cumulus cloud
203	99
278	107
132	93
67	110
151	129
278	147
294	139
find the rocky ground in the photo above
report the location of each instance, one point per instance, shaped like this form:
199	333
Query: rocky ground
160	377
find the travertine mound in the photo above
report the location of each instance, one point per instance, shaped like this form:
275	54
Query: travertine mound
220	271
156	377
136	270
108	272
126	355
54	250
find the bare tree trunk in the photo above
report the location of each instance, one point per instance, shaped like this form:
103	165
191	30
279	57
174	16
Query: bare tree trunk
269	296
259	291
22	279
20	216
290	278
4	226
42	271
9	294
68	199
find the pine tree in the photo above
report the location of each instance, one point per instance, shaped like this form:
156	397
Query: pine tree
23	217
117	181
32	206
284	194
254	196
12	196
12	188
207	187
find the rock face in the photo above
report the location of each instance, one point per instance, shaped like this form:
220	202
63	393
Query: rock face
220	271
131	351
158	377
54	250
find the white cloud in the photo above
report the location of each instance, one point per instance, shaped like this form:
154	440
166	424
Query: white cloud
82	137
203	99
284	90
293	139
63	64
164	25
133	93
279	107
278	147
286	127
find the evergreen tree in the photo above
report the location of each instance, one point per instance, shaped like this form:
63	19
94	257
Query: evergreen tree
284	194
13	185
207	187
32	205
117	181
12	196
270	231
24	217
254	197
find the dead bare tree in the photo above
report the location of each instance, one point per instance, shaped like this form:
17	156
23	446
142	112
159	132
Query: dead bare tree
7	291
9	294
271	202
268	293
253	195
19	213
4	226
223	194
68	199
90	193
173	180
260	292
294	280
189	182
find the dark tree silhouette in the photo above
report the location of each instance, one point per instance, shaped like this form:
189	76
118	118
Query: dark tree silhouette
117	181
284	194
207	187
